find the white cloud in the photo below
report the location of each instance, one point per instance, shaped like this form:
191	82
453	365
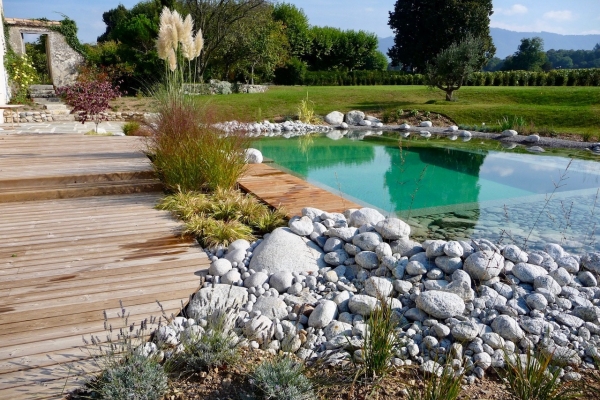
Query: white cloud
515	9
592	32
532	26
563	15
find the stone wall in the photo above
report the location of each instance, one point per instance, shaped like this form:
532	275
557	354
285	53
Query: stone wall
63	59
49	116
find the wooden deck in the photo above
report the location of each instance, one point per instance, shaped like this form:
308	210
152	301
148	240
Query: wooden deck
63	262
280	189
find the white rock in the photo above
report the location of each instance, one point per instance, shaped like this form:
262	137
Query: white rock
259	329
484	265
393	229
302	226
354	117
528	272
508	328
219	267
426	124
404	127
362	304
378	287
334	118
323	314
285	251
231	277
365	216
271	307
254	156
281	281
532	138
221	296
509	133
440	304
256	280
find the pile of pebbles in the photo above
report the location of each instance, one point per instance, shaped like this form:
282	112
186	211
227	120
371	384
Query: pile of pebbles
267	128
308	289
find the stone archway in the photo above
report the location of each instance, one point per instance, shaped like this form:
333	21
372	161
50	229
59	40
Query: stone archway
62	59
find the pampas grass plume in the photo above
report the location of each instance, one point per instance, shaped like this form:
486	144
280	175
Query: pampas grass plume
198	44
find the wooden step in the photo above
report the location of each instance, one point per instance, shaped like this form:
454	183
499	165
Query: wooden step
81	190
52	181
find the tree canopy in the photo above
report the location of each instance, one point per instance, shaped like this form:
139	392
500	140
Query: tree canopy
423	28
529	57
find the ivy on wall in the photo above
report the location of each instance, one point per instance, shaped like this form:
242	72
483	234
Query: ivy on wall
68	28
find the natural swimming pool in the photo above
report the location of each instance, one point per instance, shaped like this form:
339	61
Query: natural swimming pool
452	189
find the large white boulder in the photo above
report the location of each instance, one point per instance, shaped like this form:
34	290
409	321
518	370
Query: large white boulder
254	156
334	118
355	117
283	250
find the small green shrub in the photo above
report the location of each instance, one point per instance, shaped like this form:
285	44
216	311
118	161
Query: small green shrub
413	113
443	386
386	116
282	379
126	373
136	377
215	347
213	232
185	204
131	128
536	378
399	113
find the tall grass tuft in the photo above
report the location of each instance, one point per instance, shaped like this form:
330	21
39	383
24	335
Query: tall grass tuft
537	378
438	385
213	232
187	153
306	112
380	341
282	379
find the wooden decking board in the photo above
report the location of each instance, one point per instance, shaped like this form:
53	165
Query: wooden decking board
75	258
279	189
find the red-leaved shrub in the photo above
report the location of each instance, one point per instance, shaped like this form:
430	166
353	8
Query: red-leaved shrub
90	99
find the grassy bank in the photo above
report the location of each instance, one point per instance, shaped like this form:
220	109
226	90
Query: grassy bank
557	109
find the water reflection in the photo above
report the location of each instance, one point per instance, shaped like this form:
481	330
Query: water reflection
451	193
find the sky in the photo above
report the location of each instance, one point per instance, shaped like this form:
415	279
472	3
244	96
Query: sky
575	17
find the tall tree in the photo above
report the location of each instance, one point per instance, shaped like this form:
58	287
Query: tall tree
423	28
218	19
529	57
296	27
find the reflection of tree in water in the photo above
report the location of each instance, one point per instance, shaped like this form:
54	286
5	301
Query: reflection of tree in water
451	177
322	152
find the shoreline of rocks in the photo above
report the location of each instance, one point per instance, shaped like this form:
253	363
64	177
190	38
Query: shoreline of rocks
309	288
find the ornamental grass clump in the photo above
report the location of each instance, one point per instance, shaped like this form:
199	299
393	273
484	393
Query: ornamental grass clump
221	217
187	153
536	378
440	384
282	379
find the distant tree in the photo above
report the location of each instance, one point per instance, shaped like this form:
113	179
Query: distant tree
422	28
37	54
529	57
495	64
376	61
452	66
296	27
218	22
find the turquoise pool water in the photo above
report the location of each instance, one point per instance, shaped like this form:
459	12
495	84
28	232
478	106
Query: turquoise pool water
425	179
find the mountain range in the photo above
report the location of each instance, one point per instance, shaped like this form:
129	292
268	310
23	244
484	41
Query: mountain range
507	42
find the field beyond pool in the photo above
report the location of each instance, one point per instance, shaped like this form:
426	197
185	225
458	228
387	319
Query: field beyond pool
574	110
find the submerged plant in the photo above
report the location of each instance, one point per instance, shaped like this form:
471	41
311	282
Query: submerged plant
282	379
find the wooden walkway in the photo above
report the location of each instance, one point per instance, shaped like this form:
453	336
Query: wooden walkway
63	262
280	189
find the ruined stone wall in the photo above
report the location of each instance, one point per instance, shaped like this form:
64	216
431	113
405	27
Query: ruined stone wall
63	59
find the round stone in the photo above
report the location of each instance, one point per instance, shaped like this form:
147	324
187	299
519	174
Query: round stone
440	304
484	265
323	314
219	267
508	328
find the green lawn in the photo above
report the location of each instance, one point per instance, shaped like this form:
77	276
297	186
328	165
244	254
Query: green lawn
558	109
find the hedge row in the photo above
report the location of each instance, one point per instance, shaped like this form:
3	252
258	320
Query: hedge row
565	77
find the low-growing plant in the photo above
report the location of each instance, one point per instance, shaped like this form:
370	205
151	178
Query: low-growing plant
517	123
386	116
126	372
587	136
399	113
213	232
269	220
131	128
426	114
536	378
282	379
443	384
215	346
413	113
185	204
